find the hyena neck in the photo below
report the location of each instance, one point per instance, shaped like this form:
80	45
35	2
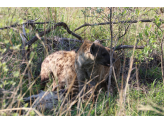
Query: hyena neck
86	60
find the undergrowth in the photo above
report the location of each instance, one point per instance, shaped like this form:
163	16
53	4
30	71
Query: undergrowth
20	78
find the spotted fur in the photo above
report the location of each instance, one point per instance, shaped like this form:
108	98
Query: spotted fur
61	66
88	63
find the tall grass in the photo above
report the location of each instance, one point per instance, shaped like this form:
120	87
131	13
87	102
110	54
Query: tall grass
20	78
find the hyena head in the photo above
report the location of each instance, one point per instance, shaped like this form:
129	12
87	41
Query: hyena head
101	54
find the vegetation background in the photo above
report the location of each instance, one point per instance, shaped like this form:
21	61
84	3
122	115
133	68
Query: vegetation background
19	75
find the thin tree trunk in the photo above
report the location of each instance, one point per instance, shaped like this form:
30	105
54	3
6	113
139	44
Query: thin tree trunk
162	60
111	53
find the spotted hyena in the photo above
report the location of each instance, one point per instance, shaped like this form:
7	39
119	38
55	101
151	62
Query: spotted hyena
92	63
91	60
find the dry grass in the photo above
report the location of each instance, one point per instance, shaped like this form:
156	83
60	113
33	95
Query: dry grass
141	76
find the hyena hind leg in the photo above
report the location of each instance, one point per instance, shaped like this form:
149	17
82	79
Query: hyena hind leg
44	80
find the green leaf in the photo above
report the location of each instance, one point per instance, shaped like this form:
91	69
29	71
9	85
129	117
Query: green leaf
151	39
11	32
15	20
124	12
16	73
15	114
12	82
1	25
6	41
146	32
26	47
137	12
160	33
4	114
26	104
1	86
139	22
17	47
3	50
62	18
21	21
154	46
150	26
32	113
27	30
32	54
140	35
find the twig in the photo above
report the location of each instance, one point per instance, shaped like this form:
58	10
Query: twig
29	22
119	47
130	21
35	38
124	32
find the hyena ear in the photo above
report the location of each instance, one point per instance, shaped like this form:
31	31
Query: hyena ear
93	49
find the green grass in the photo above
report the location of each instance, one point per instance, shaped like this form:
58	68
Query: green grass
14	79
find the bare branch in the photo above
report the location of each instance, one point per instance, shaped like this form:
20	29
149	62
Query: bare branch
119	47
32	22
158	27
29	22
35	38
130	21
8	27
